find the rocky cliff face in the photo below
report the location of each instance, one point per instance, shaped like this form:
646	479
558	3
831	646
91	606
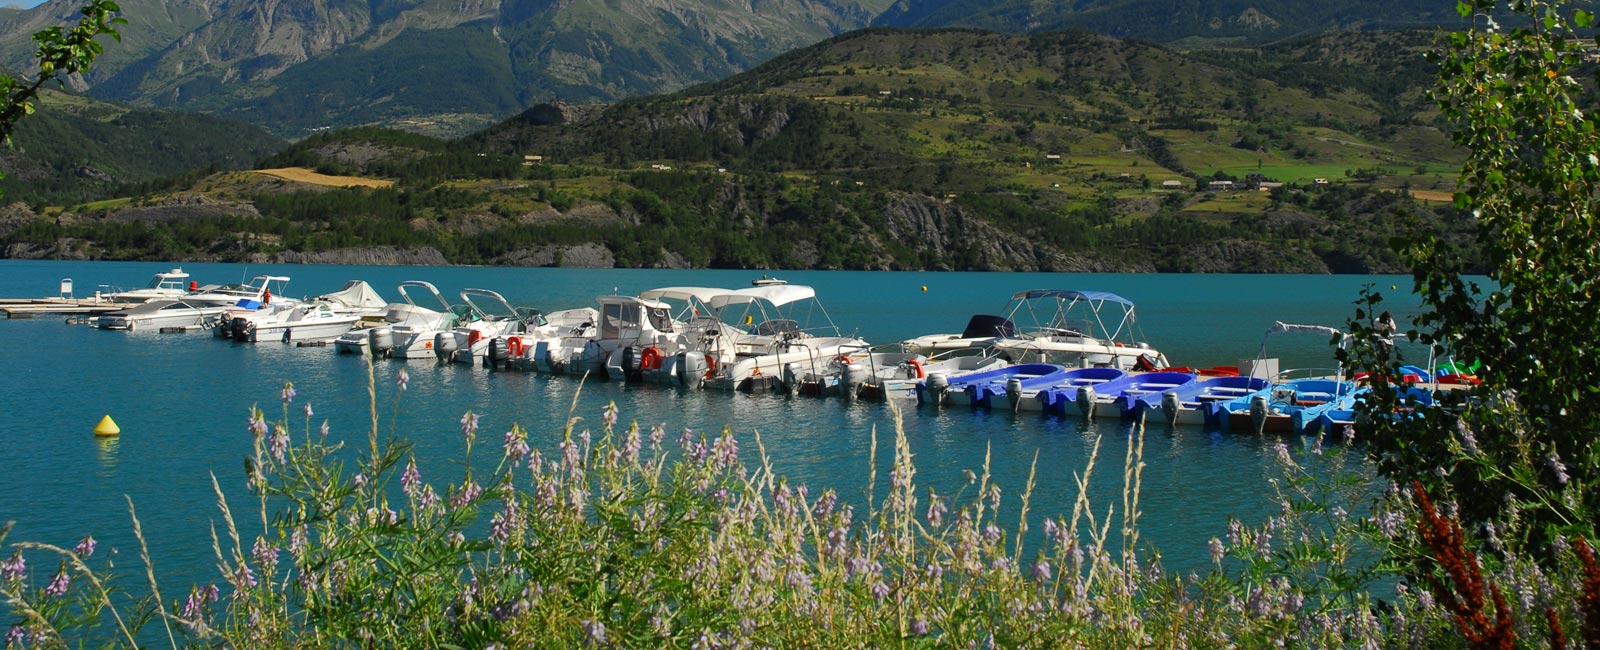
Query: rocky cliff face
375	256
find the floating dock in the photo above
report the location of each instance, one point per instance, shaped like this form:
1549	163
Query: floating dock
29	307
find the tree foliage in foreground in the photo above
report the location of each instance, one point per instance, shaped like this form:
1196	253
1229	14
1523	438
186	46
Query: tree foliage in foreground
61	53
1520	453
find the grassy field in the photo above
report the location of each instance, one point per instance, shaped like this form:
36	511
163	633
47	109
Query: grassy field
303	175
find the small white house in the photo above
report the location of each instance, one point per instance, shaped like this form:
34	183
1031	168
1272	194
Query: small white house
1220	186
1171	185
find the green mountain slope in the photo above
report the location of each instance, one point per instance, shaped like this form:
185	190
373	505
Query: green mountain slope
949	149
75	147
451	65
1190	22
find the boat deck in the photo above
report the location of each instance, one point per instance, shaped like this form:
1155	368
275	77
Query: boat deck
29	307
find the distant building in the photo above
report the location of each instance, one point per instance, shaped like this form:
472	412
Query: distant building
1268	186
1319	181
1172	185
531	159
1220	186
1052	157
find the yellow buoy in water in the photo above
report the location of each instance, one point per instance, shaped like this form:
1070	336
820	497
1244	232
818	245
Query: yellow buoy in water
924	287
107	428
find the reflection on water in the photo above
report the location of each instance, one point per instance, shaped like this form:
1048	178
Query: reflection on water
107	456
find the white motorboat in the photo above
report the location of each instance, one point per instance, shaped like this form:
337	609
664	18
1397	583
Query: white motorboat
157	314
356	300
776	349
886	375
982	331
379	340
1079	329
307	321
260	290
469	341
636	336
165	285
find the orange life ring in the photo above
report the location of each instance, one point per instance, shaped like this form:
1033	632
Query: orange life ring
844	359
514	345
650	359
917	365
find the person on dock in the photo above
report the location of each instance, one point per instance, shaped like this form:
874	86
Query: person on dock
1384	329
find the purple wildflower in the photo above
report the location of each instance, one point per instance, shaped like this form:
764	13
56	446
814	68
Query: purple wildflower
58	585
244	576
18	635
1216	550
14	568
309	413
657	432
467	493
265	554
1557	468
288	392
298	541
610	415
279	444
469	424
1042	572
594	633
936	510
919	627
359	480
402	378
1349	434
258	424
324	428
85	548
880	590
516	444
410	478
191	607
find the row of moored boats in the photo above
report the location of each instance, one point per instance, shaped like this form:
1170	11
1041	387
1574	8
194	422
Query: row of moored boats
1079	353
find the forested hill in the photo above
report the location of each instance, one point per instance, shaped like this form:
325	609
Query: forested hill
76	147
1189	23
948	149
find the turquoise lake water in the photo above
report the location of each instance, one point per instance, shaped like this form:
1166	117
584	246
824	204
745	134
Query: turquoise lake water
182	400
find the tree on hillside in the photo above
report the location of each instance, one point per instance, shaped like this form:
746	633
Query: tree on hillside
1520	452
61	52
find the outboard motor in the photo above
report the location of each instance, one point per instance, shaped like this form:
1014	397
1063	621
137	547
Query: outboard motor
936	386
630	363
381	341
791	378
222	326
855	374
1014	392
499	353
692	369
1259	409
1171	404
241	328
444	345
1086	398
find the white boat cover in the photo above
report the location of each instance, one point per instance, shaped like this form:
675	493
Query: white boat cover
356	294
777	294
702	294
